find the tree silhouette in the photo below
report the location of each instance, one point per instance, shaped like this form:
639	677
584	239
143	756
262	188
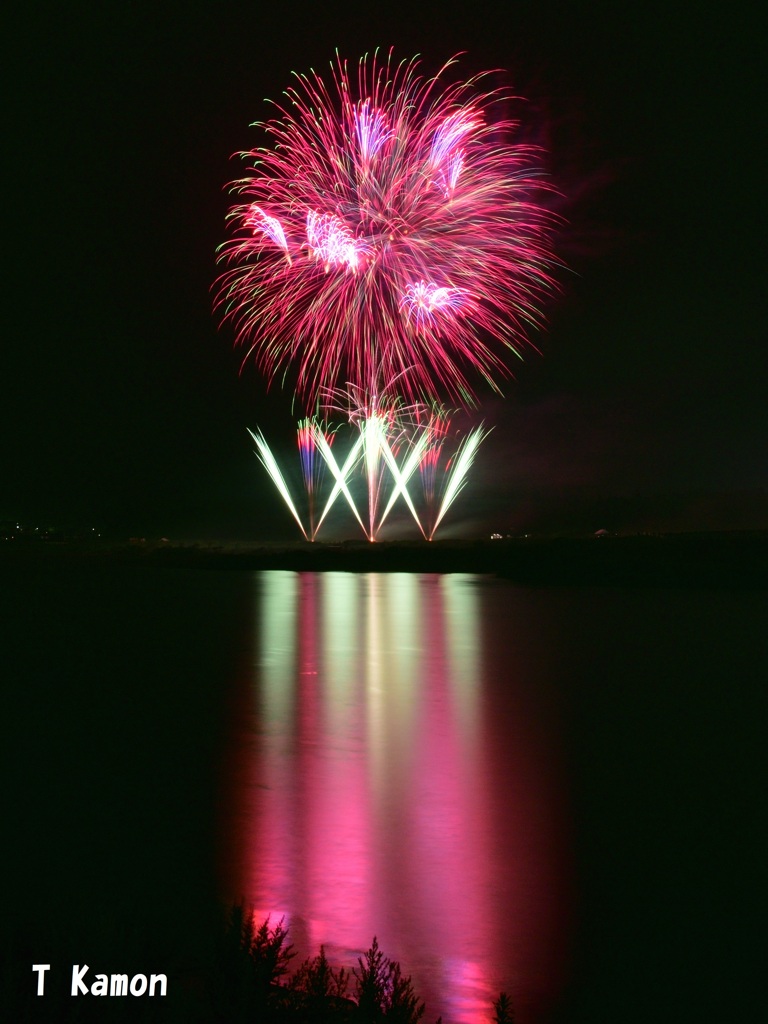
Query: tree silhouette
504	1011
383	993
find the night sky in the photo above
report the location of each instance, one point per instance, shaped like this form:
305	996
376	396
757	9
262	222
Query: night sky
124	407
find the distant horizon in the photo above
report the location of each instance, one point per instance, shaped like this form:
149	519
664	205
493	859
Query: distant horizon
567	512
89	535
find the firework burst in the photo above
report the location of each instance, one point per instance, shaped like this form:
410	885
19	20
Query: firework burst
389	245
391	229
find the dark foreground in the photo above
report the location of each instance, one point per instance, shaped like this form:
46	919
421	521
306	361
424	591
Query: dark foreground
247	976
127	748
730	559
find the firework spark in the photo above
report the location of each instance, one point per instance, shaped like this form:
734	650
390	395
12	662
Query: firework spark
457	476
436	430
340	475
392	228
312	466
267	459
404	474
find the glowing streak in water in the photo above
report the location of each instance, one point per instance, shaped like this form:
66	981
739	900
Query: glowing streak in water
458	475
267	459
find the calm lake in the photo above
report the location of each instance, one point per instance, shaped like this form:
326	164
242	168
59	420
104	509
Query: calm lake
552	792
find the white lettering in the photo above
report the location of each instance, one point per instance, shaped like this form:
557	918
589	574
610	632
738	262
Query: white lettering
100	987
41	969
154	979
107	985
119	985
138	984
77	980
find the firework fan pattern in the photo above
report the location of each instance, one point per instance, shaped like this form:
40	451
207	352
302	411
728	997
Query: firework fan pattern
390	243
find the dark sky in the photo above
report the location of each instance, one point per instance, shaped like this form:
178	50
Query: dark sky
123	405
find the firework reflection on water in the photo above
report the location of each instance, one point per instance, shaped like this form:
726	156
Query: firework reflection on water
396	782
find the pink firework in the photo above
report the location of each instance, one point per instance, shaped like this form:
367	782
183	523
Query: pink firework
437	428
391	229
312	464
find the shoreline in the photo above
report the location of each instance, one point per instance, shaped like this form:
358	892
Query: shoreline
737	559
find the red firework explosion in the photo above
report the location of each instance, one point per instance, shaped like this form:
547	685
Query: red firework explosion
392	230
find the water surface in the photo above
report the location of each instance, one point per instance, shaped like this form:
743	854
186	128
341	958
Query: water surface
555	791
398	775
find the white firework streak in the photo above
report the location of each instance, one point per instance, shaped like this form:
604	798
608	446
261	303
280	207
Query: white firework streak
267	460
340	475
458	475
389	458
402	476
373	435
